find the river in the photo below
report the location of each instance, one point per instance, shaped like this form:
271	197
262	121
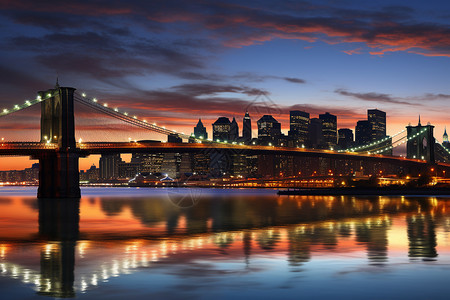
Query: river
147	243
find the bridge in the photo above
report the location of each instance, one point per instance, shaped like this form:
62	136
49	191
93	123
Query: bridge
58	152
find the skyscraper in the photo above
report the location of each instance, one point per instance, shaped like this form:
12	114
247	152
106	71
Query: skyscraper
445	141
234	130
109	166
269	129
345	140
247	128
221	129
329	128
200	130
315	133
363	132
299	124
377	119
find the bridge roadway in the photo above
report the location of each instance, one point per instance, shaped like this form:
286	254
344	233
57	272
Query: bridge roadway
33	149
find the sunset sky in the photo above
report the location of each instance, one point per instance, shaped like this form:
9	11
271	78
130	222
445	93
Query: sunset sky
173	62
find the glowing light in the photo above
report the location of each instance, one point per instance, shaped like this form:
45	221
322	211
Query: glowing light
105	105
116	109
83	95
95	99
5	110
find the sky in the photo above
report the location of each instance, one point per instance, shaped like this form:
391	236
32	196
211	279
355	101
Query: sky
173	62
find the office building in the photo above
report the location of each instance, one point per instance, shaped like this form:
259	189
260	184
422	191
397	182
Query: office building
329	129
377	120
221	129
247	128
234	131
200	130
109	166
363	133
299	126
269	130
315	134
345	138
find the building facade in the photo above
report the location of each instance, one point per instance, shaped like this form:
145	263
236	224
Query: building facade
329	129
299	126
221	129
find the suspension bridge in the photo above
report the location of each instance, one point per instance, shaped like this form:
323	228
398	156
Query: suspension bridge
58	152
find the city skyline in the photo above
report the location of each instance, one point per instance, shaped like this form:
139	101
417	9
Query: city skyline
204	60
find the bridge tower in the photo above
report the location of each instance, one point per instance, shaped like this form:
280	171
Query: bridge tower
58	171
420	143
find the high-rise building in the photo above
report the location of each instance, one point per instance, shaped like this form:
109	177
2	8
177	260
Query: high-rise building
363	133
149	162
329	129
345	140
109	166
234	130
200	130
269	129
445	141
299	125
221	129
247	128
315	134
377	119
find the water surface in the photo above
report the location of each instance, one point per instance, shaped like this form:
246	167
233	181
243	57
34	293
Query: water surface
118	243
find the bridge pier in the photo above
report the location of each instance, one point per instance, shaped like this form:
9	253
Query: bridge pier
58	171
59	175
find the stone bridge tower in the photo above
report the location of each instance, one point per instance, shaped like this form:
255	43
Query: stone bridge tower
420	143
58	171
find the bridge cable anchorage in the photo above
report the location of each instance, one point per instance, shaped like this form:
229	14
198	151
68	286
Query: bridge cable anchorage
28	103
125	117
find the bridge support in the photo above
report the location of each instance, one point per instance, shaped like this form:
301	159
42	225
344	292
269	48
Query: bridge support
420	143
58	171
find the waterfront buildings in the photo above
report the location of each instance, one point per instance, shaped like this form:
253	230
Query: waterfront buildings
377	120
221	129
247	128
299	126
345	138
200	130
269	130
329	129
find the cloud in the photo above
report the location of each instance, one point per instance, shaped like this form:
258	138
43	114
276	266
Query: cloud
353	51
374	97
383	30
294	80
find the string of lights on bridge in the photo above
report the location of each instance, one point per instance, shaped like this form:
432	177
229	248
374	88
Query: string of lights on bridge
356	149
445	148
142	122
27	104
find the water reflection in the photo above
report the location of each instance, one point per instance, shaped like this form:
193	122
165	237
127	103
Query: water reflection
122	236
59	226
